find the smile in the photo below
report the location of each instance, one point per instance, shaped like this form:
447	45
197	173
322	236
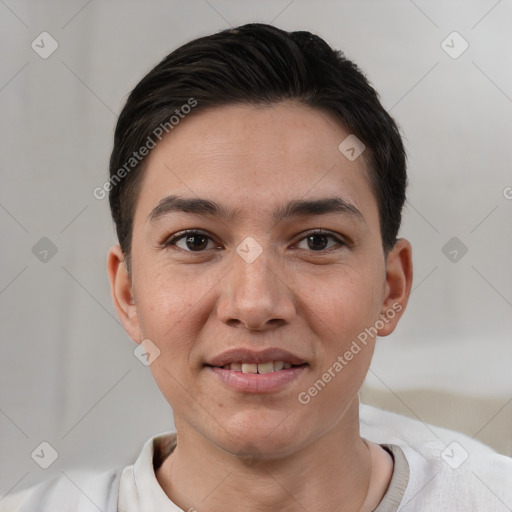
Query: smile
269	377
261	368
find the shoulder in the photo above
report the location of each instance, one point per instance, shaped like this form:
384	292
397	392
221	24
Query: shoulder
88	491
77	491
447	470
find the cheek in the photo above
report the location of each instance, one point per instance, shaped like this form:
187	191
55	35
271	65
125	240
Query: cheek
340	303
173	307
168	306
168	298
341	310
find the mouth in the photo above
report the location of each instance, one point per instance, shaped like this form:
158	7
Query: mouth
261	368
256	361
248	371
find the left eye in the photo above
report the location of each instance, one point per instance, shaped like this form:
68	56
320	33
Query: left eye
319	241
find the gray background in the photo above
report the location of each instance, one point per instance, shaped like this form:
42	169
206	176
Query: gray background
68	375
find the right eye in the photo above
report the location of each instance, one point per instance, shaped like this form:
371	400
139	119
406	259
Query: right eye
191	241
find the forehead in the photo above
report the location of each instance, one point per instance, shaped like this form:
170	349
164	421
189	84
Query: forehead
255	157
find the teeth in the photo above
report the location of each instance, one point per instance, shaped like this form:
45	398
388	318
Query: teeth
269	366
266	367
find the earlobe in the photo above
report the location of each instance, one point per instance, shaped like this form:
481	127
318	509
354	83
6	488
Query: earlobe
398	286
121	290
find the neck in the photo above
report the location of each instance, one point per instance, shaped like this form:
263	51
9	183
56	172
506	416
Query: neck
333	472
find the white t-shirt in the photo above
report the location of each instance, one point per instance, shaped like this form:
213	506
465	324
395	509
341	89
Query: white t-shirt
436	470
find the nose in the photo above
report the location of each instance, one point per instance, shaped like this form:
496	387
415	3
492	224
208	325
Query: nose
256	295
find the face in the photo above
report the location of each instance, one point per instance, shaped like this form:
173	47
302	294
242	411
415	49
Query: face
255	240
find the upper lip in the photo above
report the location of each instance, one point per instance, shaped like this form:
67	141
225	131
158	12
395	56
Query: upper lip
243	355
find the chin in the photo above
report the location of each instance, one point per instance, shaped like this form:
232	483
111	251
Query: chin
266	432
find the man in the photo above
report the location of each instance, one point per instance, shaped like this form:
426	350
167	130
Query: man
256	185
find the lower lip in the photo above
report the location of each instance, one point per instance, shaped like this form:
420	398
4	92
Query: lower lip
258	382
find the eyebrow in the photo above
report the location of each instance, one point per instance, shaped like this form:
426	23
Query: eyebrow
295	208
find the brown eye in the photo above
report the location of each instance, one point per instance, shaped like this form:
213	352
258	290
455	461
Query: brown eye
319	241
191	241
196	242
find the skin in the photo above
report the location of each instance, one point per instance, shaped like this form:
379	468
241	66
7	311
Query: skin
194	305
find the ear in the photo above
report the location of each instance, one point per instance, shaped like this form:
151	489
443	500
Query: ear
121	290
398	286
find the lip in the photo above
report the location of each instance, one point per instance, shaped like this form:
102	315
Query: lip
243	355
257	382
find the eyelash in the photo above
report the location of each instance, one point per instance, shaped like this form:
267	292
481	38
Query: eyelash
171	241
